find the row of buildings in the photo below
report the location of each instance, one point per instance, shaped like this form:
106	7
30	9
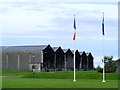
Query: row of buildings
44	58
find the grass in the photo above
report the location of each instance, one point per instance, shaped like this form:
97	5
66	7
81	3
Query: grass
69	75
14	73
56	83
60	79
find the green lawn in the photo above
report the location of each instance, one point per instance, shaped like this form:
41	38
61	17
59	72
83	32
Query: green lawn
69	75
60	79
14	73
56	83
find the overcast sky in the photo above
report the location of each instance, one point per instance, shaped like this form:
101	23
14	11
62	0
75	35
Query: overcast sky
34	22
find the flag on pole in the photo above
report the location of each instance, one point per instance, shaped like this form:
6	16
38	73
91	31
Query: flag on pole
74	36
74	26
103	25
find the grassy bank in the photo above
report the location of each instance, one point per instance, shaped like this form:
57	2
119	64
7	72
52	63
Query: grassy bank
56	83
69	75
14	73
60	79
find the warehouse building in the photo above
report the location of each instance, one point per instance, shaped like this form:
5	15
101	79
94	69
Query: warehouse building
59	58
28	58
84	63
69	64
44	58
118	66
90	62
78	60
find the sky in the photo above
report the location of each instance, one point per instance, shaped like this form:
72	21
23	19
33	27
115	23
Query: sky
38	22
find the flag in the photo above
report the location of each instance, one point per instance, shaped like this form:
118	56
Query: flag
74	37
74	26
103	25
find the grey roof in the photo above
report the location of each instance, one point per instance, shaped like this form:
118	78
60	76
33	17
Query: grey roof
118	60
65	50
55	48
2	48
87	53
84	52
72	51
80	53
35	47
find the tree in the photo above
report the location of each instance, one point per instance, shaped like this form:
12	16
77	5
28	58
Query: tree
99	69
110	65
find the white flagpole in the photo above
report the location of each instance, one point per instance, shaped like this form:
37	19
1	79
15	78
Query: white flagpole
74	38
103	51
103	63
74	59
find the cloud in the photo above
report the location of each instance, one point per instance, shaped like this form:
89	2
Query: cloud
60	0
98	61
34	22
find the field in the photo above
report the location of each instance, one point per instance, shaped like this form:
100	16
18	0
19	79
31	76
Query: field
60	79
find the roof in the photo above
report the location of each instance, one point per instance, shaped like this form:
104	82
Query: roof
2	48
15	48
65	50
55	48
87	53
80	53
118	60
72	51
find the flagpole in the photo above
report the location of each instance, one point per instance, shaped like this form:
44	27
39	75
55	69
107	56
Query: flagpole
74	59
103	62
74	38
103	50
